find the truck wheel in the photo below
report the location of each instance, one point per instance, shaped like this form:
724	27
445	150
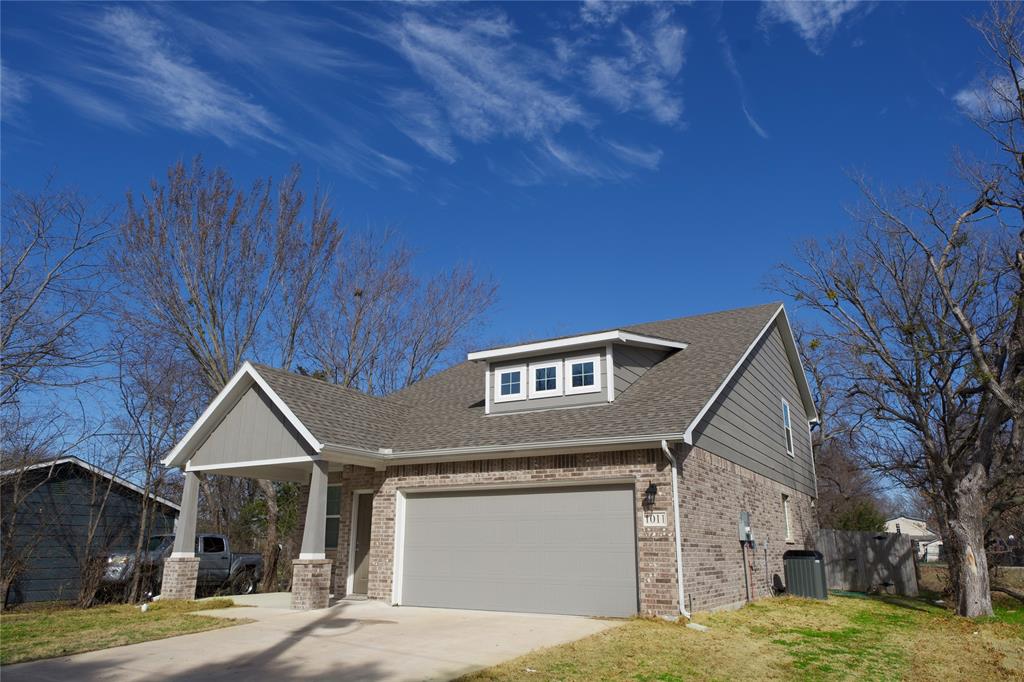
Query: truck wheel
244	583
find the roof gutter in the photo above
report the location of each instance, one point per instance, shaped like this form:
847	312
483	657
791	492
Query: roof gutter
678	526
477	451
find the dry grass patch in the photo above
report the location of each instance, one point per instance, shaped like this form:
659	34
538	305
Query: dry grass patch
845	638
61	631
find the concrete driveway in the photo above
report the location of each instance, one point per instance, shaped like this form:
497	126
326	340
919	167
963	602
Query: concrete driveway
352	640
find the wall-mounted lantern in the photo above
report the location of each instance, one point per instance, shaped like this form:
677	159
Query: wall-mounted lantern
649	495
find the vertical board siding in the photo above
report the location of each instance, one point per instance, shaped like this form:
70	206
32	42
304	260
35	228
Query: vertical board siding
745	423
253	429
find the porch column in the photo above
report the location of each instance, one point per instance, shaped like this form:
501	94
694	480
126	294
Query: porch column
311	572
182	567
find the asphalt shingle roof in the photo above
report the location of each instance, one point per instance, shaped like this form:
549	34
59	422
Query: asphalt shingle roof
447	410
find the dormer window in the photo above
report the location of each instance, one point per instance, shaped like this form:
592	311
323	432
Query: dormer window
509	383
546	379
584	375
569	372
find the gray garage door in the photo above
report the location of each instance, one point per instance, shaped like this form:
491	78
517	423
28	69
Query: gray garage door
543	550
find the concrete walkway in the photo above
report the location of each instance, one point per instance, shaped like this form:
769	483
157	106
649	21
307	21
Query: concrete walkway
351	640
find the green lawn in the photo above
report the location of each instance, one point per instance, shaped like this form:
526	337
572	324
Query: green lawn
845	638
59	631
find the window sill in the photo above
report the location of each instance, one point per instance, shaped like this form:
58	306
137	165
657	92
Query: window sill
790	541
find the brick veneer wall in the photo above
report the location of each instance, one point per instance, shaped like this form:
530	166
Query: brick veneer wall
713	492
656	555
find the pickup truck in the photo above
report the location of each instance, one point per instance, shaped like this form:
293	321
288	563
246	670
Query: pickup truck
219	567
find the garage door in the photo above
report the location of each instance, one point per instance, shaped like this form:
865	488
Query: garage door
544	550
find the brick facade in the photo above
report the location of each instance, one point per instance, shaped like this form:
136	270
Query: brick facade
712	492
311	582
179	578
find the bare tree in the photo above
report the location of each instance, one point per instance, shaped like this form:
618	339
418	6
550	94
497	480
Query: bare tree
50	287
845	486
923	312
220	273
159	397
382	328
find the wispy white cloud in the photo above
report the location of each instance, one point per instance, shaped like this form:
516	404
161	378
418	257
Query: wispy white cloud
648	158
148	69
642	77
987	97
420	119
487	84
730	63
814	20
603	12
88	103
14	93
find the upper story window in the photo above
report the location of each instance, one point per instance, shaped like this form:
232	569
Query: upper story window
583	375
509	383
787	426
545	379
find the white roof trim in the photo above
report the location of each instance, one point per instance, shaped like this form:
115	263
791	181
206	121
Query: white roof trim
794	359
469	452
94	469
244	378
616	335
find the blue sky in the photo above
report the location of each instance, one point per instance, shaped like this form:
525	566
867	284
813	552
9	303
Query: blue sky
607	163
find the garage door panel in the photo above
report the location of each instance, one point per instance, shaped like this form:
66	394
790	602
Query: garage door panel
551	550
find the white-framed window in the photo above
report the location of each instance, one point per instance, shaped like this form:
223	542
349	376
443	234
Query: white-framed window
333	516
583	375
787	426
510	383
545	379
789	523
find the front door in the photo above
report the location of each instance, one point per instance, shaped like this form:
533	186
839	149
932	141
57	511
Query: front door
361	564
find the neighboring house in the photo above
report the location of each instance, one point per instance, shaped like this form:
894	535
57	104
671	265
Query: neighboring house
931	551
59	500
539	476
928	546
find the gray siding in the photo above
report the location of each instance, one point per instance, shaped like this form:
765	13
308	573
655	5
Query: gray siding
576	400
745	423
252	430
631	363
51	529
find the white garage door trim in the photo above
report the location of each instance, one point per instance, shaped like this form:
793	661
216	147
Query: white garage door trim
400	512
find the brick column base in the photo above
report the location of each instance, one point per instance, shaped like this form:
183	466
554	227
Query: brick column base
311	584
179	580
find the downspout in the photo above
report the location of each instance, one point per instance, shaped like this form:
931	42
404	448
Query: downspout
678	526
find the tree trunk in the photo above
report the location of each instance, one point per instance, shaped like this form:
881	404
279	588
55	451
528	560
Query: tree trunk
968	562
270	551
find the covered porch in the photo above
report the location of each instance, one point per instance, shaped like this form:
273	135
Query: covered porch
250	432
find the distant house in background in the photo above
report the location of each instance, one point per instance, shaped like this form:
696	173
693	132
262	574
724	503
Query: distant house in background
59	500
928	545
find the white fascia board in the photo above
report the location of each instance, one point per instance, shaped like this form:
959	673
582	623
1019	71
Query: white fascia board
245	377
795	365
571	342
334	452
801	375
94	469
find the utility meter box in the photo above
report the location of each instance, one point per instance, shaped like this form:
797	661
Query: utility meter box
746	533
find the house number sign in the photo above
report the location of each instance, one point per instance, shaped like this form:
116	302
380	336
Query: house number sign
655	519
